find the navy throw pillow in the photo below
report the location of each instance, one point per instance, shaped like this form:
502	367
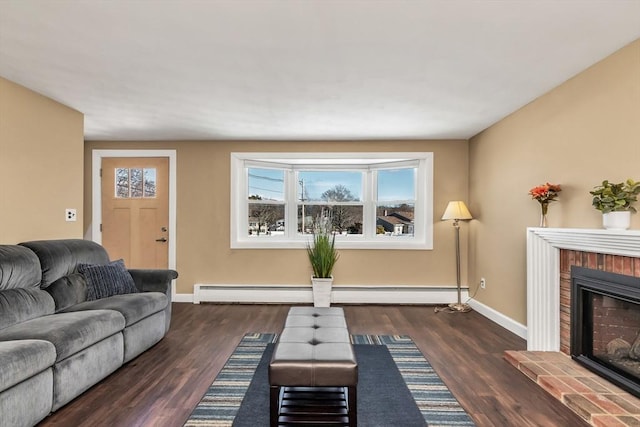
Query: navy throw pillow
107	280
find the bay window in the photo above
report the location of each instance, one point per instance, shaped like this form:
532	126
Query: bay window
374	200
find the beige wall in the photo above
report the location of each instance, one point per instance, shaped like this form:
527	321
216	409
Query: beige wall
203	253
40	166
582	132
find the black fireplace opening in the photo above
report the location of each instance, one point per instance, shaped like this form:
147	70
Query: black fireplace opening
605	325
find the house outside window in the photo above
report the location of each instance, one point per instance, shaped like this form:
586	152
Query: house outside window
375	200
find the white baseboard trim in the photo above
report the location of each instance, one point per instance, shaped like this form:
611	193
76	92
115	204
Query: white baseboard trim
396	295
182	298
345	294
506	322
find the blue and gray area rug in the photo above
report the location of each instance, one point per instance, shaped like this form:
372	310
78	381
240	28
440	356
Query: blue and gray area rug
223	399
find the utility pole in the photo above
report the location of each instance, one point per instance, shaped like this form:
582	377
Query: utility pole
302	200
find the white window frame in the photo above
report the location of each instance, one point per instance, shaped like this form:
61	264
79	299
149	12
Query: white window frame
423	209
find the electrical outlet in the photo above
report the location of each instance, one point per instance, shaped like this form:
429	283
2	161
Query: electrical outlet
70	215
483	283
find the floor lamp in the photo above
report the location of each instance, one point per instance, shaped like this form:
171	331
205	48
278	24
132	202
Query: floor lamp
457	210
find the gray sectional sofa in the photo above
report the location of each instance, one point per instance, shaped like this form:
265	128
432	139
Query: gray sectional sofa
68	318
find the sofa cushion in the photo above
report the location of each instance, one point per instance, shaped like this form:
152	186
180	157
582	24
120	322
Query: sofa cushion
107	280
79	372
134	307
68	290
29	402
19	268
59	258
23	359
143	335
20	305
68	332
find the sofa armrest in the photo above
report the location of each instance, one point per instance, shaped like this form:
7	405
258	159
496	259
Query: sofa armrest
154	280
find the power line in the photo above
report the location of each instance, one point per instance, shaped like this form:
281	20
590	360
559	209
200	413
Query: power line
265	189
268	178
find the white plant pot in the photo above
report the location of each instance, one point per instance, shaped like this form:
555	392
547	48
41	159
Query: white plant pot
616	220
321	291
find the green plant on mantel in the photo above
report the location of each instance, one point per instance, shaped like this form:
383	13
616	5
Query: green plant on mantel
609	197
322	252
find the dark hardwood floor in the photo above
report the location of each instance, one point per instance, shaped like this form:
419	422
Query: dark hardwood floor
162	386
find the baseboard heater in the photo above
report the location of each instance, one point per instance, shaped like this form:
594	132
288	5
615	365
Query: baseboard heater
341	294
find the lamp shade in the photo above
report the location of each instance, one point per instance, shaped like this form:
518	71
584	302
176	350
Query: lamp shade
456	210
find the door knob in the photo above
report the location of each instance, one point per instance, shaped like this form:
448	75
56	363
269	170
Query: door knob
162	239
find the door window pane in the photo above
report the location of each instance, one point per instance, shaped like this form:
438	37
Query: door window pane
122	182
136	182
149	182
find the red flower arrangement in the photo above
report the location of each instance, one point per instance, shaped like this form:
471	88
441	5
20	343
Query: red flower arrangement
545	193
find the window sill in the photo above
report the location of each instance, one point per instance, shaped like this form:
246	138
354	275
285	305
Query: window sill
271	243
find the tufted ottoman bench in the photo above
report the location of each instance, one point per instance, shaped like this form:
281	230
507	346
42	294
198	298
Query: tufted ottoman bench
313	364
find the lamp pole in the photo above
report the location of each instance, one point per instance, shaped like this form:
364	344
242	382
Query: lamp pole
456	224
459	306
302	200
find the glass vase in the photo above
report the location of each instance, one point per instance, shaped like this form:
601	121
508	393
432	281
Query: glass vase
544	207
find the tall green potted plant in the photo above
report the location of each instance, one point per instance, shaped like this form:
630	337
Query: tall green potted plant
615	202
323	256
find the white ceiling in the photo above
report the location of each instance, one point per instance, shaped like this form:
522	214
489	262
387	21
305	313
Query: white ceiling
303	69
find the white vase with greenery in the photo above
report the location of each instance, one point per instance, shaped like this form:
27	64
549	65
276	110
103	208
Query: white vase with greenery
615	202
323	256
616	220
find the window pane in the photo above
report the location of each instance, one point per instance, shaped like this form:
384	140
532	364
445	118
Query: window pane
329	186
395	220
306	215
397	184
346	219
266	219
136	181
122	182
266	184
150	182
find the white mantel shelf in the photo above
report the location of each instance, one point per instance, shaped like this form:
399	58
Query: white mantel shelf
543	274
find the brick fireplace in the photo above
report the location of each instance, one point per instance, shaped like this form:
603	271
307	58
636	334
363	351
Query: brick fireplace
550	255
605	325
626	265
548	313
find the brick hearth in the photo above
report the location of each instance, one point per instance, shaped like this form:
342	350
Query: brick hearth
596	400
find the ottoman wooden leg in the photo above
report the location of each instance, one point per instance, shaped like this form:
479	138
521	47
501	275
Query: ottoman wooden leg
274	405
353	406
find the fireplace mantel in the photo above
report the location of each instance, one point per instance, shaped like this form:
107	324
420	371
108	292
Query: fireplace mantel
543	274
